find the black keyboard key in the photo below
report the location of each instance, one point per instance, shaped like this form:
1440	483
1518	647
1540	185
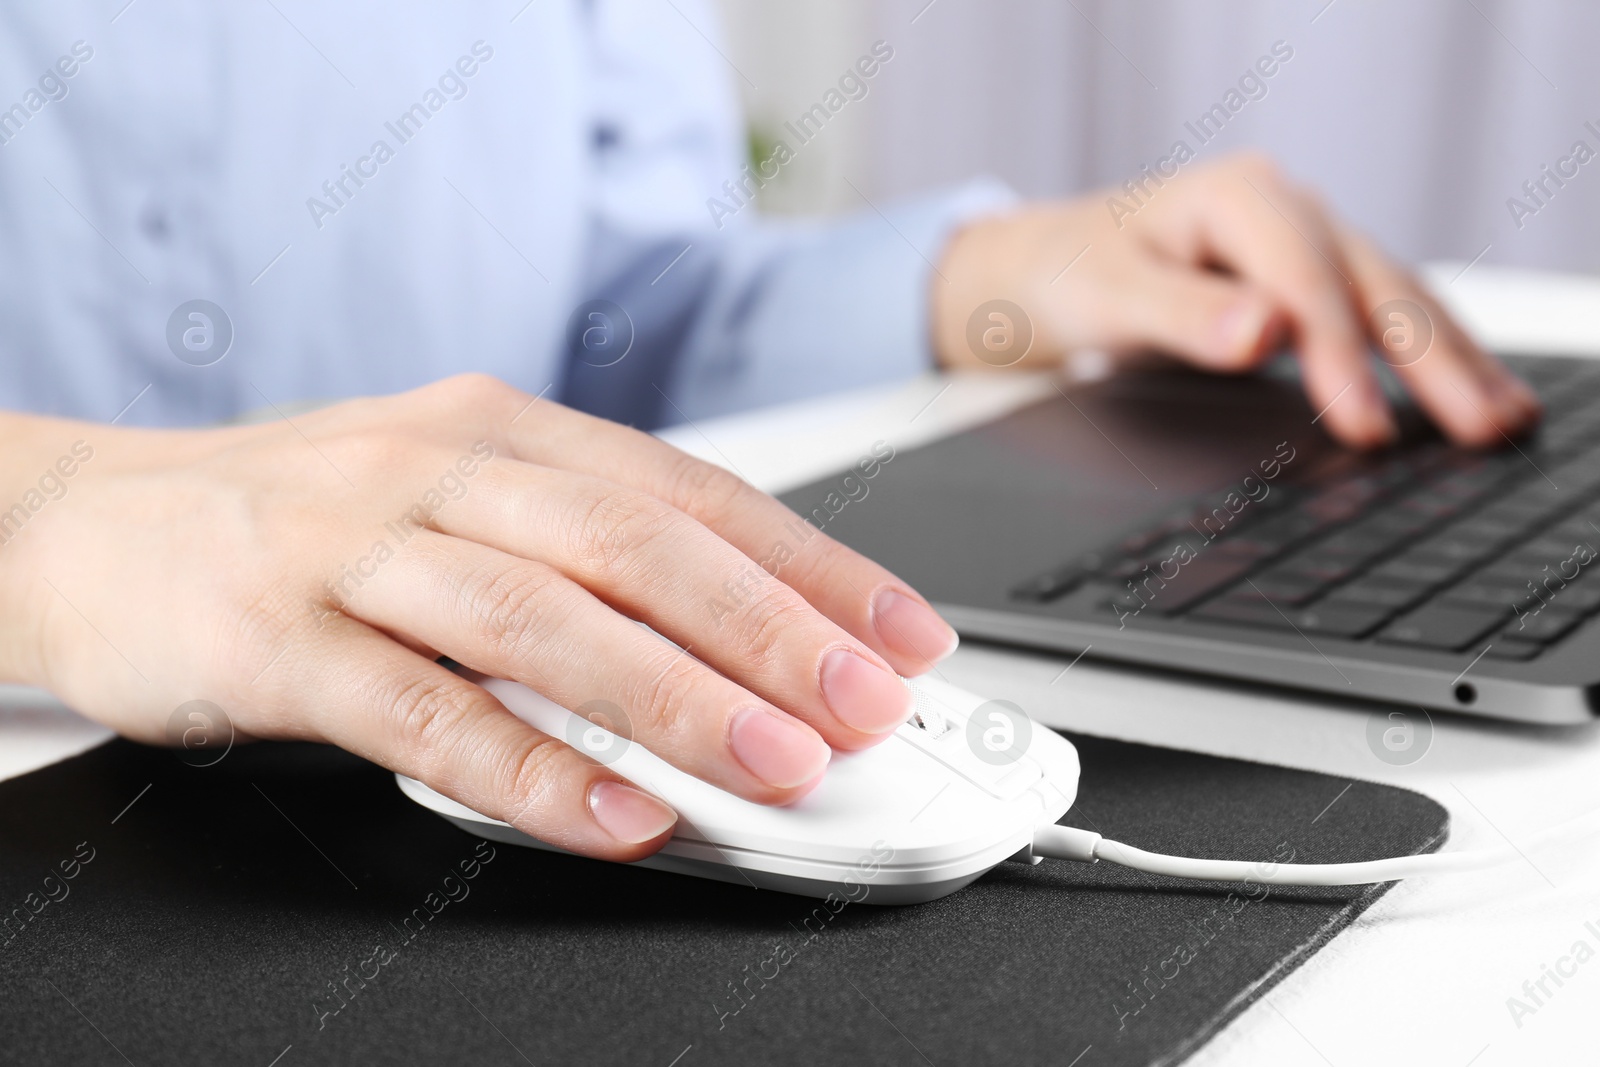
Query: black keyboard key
1117	600
1553	548
1512	648
1337	618
1417	571
1240	548
1453	546
1247	544
1333	620
1576	475
1281	531
1522	571
1283	588
1503	573
1333	506
1508	527
1448	627
1250	612
1583	598
1531	505
1489	528
1430	506
1397	524
1547	626
1568	596
1197	579
1048	587
1380	593
1579	527
1471	482
1356	543
1488	595
1318	566
1064	579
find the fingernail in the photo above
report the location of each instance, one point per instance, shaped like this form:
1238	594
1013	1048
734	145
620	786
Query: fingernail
1239	329
1379	424
781	751
863	695
630	815
912	628
1523	398
1383	429
1495	399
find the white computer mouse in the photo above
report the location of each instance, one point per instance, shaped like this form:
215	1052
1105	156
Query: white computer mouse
959	788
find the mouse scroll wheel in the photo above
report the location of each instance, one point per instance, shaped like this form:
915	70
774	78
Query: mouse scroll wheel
924	716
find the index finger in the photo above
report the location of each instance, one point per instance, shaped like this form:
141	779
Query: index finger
1469	393
1263	229
860	596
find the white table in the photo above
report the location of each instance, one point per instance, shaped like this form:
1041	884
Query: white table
1422	977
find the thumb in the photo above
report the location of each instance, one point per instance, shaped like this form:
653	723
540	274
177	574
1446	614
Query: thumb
1211	320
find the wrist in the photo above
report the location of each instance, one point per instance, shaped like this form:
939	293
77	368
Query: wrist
44	459
950	303
980	314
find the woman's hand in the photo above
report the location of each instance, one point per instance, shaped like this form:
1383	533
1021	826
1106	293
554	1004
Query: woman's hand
1220	266
305	577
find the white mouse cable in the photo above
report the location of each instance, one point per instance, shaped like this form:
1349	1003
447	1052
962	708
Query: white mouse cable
1084	846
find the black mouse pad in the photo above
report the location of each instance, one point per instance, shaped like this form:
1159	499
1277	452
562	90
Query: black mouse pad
288	906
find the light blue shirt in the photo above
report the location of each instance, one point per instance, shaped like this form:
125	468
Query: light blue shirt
380	195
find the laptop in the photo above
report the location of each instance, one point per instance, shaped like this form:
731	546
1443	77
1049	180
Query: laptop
1185	521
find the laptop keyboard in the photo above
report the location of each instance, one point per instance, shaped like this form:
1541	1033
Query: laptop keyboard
1428	547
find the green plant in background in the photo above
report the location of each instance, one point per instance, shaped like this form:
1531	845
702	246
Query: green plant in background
760	144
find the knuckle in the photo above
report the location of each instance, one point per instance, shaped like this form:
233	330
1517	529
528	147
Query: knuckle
426	715
708	488
1260	167
670	696
515	606
473	390
533	779
615	527
1310	212
817	558
773	622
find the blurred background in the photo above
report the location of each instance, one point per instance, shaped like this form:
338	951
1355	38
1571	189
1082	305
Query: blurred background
1419	120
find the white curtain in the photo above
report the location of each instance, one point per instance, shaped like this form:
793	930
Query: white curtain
1419	119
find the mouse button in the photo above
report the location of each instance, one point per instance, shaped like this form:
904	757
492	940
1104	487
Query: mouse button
1003	775
888	793
927	716
705	813
1058	758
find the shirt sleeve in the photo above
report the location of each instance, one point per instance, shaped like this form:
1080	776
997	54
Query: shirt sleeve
689	313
